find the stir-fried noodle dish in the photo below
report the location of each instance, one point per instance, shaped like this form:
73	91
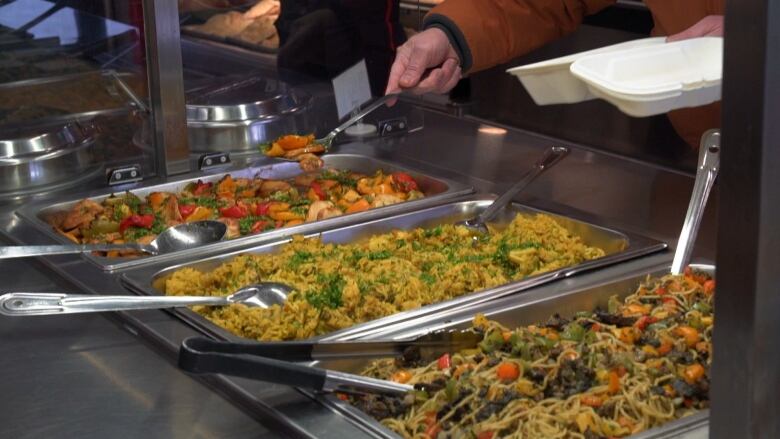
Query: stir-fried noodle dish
612	372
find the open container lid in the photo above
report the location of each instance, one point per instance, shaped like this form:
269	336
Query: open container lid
28	141
643	79
552	82
256	98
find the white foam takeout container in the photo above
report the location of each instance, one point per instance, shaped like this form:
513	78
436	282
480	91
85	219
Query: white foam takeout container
641	77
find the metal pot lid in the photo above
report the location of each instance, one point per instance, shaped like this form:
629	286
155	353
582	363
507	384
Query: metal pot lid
248	100
24	142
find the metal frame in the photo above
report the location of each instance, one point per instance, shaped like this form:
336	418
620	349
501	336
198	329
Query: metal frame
745	372
166	86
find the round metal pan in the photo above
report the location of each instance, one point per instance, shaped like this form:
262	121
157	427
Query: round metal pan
52	156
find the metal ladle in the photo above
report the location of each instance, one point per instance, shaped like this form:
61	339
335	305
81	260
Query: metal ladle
180	237
35	304
709	162
552	156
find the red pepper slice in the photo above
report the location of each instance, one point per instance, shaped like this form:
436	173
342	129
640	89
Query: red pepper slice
200	187
661	291
186	209
444	362
143	221
259	226
317	188
487	434
262	209
643	321
405	181
234	211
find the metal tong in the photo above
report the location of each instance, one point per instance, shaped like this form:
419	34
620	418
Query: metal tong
272	361
709	161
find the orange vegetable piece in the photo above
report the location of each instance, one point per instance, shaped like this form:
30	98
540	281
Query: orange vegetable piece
591	400
292	141
284	216
691	335
665	347
506	335
402	376
199	214
358	206
508	371
693	373
226	187
276	150
156	199
294	222
614	382
709	286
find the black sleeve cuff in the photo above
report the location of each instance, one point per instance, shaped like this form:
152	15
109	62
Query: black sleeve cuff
455	36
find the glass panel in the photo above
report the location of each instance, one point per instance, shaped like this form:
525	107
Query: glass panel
65	114
285	54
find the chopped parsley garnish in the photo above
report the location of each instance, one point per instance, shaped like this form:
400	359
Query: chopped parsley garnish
428	278
211	203
400	243
430	233
329	293
245	224
298	258
376	256
300	210
340	176
283	196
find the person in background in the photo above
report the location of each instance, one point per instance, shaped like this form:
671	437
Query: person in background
322	38
466	36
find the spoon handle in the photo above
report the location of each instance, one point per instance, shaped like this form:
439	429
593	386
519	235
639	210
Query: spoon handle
24	251
29	304
709	161
374	105
552	156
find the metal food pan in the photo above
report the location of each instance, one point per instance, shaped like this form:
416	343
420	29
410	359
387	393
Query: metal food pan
437	191
618	247
530	308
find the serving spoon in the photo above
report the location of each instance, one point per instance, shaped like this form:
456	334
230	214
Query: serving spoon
326	141
262	295
552	156
180	237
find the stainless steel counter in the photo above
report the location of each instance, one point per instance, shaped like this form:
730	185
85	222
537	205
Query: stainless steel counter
113	375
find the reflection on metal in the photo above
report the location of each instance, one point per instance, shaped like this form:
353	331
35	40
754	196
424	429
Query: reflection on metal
166	88
491	130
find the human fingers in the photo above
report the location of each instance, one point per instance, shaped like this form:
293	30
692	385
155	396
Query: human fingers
708	26
437	79
396	70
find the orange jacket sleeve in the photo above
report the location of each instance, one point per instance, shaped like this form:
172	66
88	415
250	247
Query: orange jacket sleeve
490	32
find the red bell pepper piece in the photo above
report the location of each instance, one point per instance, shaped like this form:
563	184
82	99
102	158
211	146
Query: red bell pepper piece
262	209
201	187
234	211
143	221
444	362
405	181
317	188
643	321
259	226
186	209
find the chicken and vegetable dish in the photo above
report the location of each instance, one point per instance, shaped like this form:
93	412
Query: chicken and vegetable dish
613	372
302	149
246	205
341	285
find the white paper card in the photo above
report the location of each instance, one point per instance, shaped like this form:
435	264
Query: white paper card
351	88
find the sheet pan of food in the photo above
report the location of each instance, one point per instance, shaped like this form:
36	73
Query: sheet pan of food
357	279
627	358
258	204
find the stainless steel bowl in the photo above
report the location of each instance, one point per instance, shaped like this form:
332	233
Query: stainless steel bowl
240	118
45	156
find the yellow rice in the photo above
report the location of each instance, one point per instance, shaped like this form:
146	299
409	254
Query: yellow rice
341	285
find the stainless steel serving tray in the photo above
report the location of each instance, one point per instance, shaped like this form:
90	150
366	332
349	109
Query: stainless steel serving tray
530	308
618	246
437	191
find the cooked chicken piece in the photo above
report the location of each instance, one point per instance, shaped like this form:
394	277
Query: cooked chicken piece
260	30
310	162
311	149
83	213
304	180
321	210
271	186
385	200
57	218
233	227
170	213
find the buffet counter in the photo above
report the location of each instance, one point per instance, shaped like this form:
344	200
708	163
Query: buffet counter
115	374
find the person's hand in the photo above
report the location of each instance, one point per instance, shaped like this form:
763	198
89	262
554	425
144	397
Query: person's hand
711	26
426	63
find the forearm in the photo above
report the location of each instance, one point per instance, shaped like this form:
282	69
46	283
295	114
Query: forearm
489	32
